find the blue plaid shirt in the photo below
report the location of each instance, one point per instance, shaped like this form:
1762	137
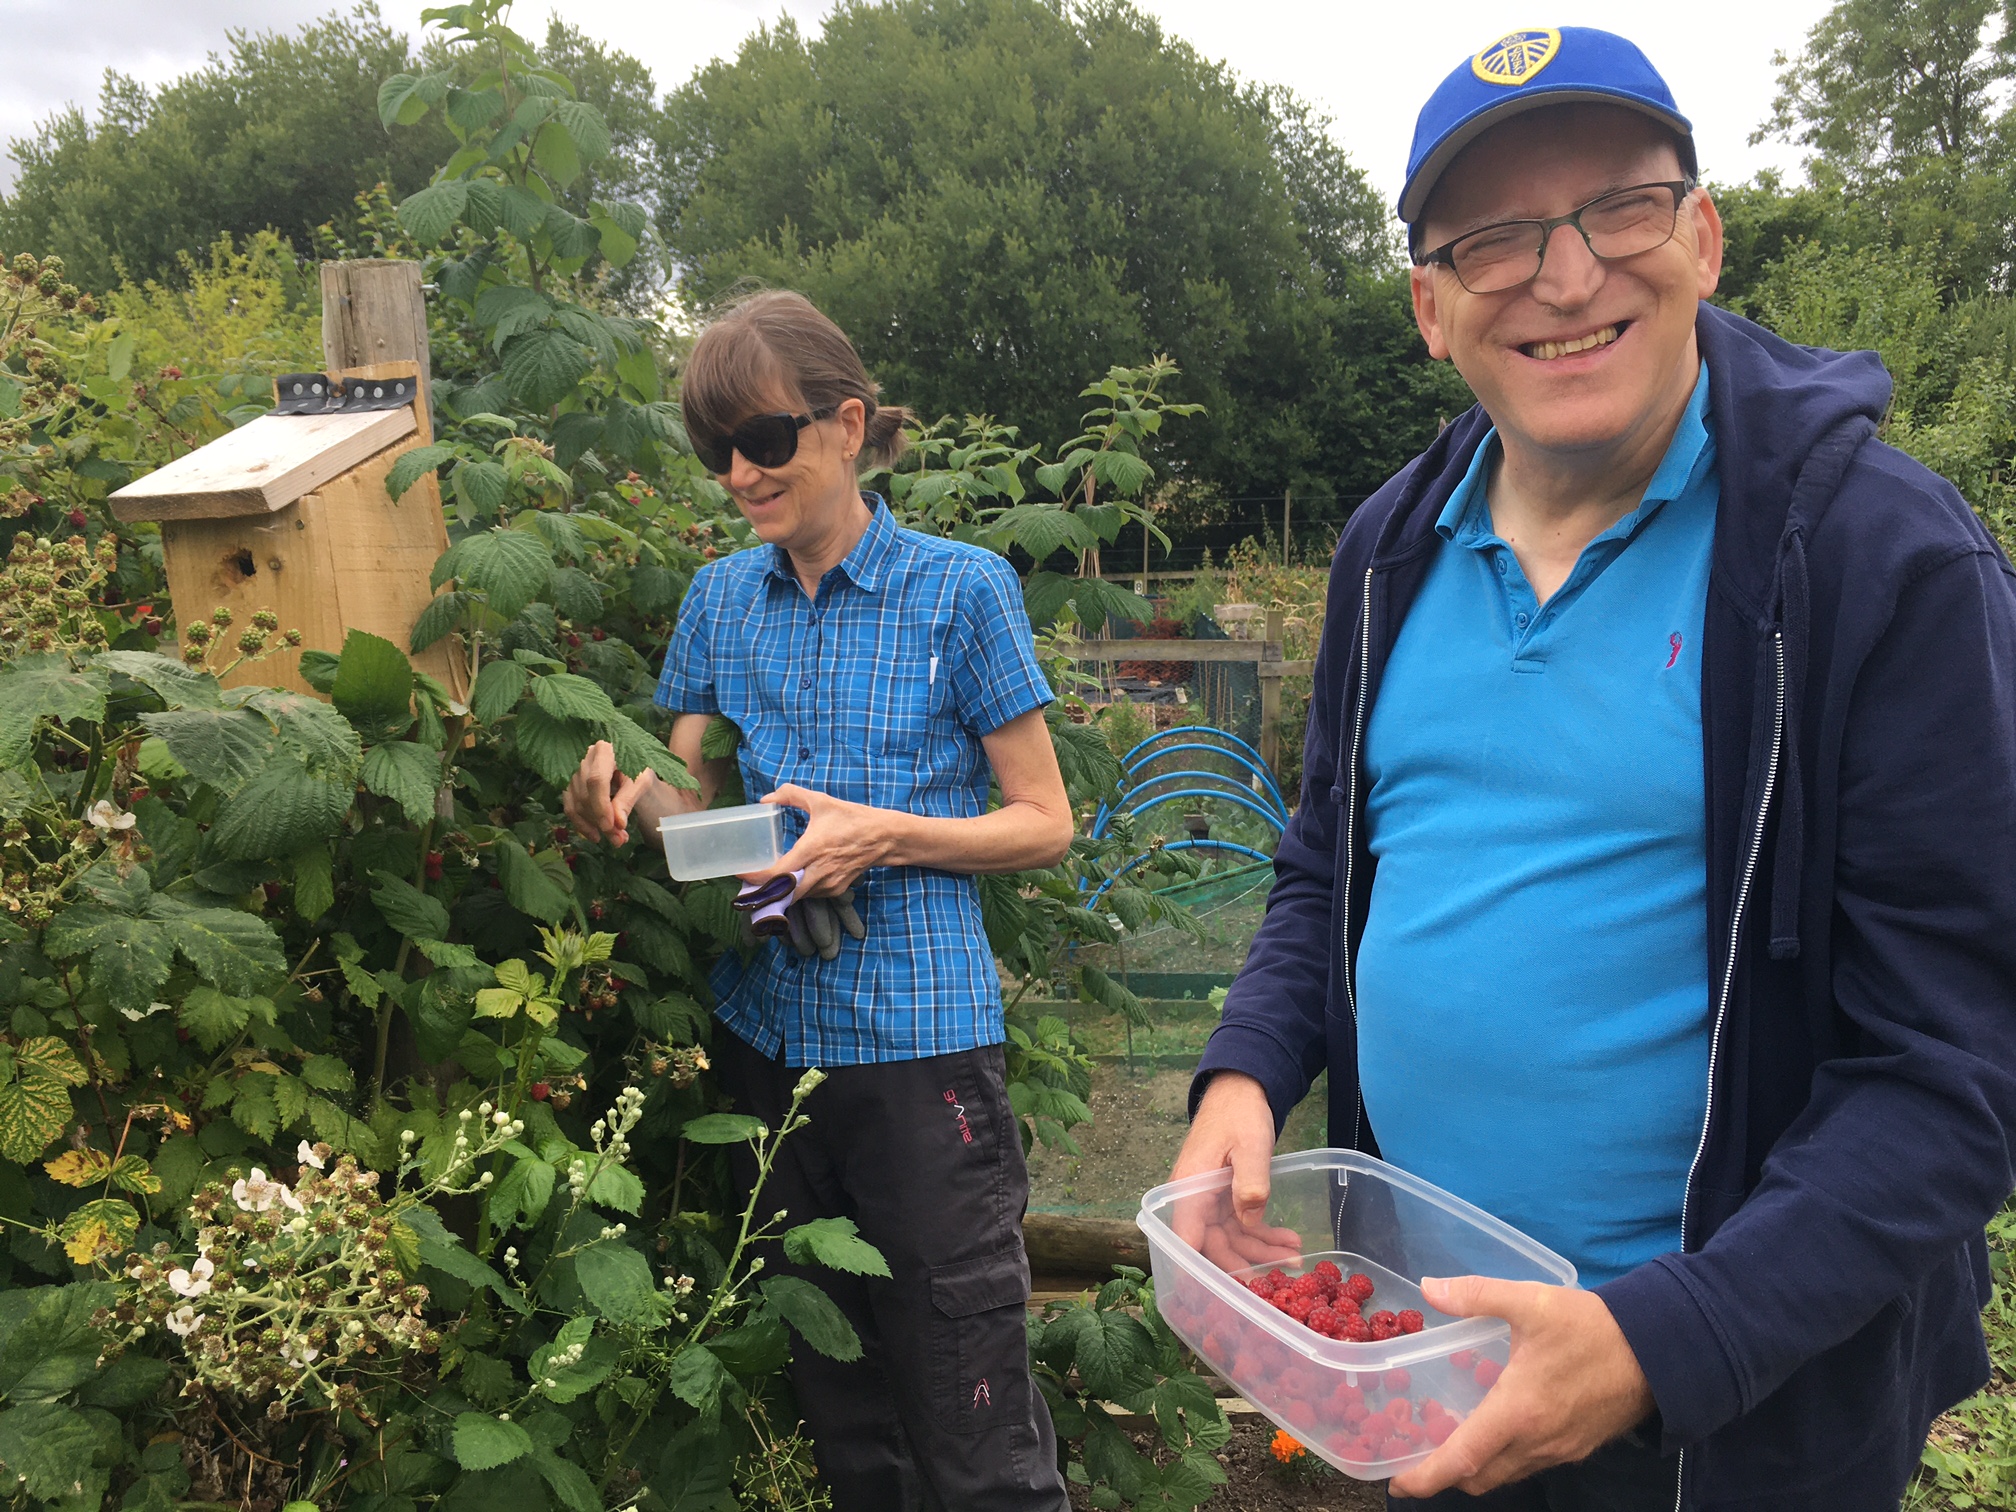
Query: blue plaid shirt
876	692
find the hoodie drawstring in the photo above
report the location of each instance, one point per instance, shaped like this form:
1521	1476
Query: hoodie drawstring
1788	857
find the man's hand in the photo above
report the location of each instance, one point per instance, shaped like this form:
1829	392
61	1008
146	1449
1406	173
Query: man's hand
600	799
841	841
1571	1386
1234	1127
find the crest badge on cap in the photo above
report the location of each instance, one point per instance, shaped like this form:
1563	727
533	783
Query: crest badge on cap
1515	57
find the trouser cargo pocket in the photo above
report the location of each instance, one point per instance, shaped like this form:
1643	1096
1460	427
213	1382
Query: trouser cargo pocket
980	1341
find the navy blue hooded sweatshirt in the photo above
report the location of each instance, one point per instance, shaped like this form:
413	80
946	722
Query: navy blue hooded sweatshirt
1859	756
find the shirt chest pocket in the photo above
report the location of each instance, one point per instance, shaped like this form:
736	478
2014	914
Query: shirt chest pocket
896	703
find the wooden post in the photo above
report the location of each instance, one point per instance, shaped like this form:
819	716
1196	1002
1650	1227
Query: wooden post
1270	693
373	311
1286	495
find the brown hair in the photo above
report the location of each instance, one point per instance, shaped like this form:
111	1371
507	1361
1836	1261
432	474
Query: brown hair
777	345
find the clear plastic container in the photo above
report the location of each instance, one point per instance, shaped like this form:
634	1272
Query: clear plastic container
722	842
1371	1219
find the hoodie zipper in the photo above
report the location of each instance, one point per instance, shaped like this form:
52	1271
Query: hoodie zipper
1743	886
1351	822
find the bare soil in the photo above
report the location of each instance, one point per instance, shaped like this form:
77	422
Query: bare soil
1255	1483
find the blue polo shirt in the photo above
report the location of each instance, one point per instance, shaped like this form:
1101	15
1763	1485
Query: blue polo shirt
1533	994
878	691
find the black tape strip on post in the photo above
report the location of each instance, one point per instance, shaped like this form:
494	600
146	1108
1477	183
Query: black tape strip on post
319	394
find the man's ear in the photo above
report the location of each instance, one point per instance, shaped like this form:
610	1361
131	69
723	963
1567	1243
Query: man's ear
1421	285
1707	243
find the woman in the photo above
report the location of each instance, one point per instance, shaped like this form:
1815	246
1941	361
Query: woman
879	678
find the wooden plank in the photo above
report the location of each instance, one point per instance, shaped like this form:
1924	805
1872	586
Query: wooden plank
1177	650
1270	687
1287	669
1065	1244
374	312
383	554
261	467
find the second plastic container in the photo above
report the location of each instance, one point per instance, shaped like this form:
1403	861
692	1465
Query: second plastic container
722	842
1364	1408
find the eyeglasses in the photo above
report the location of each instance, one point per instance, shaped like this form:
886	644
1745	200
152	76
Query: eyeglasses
764	441
1622	223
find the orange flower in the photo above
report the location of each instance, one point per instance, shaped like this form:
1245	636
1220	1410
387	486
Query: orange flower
1285	1448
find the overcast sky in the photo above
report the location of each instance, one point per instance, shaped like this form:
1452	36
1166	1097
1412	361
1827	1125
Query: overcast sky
1367	66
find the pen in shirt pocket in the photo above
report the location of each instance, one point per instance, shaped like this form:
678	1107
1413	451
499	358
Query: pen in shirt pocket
932	680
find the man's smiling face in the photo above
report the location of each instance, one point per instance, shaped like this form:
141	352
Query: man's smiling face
1590	352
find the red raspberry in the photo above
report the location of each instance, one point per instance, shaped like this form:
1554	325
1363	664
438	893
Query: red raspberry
79	519
1396	1380
1487	1372
1355	1413
599	633
541	1091
1344	1305
1299	1309
1381	1332
1359	1288
1300	1413
1384	1319
434	861
1400	1410
1356	1330
1327	1269
1322	1319
1411	1320
271	889
1464	1359
1245	1367
1439	1429
1357	1453
1395	1447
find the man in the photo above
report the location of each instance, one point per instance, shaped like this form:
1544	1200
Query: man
1653	883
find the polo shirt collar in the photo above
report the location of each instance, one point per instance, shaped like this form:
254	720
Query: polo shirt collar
1466	518
867	564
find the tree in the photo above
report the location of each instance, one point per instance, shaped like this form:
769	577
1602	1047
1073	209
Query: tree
279	132
999	198
1900	101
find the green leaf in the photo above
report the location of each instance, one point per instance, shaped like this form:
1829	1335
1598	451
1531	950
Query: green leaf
723	1128
414	465
281	810
527	887
616	1187
48	1447
566	1382
543	367
214	1019
498	688
809	1310
520	1198
443	1251
637	750
569	1482
585	125
34	690
180	685
485	485
403	99
483	1442
570	236
511	567
130	958
48	1345
374	686
327	1073
430	214
442	614
222	747
507	309
407	909
551	747
617	1283
407	773
1041	529
566	696
697	1377
314	882
835	1243
471	109
554	151
119	356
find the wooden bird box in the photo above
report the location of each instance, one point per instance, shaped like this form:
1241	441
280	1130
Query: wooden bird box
290	514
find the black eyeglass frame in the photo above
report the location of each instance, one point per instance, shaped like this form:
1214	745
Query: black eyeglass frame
1446	253
749	441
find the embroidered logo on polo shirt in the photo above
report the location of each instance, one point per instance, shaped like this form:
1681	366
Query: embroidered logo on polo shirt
1673	640
1515	57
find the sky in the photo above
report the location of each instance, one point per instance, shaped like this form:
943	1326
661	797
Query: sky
1368	67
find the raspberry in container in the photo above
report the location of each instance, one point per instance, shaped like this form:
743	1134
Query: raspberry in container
1317	1318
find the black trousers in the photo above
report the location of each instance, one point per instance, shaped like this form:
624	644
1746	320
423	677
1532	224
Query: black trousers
940	1412
1628	1474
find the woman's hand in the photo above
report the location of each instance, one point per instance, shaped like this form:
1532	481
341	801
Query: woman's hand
841	841
600	799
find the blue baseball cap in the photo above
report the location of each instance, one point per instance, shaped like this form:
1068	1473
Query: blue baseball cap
1524	70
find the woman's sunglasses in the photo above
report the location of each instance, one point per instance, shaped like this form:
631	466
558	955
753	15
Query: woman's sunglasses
764	440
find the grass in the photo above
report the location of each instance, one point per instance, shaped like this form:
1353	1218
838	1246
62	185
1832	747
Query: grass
1970	1459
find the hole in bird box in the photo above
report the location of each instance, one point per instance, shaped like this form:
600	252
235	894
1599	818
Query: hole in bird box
239	565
